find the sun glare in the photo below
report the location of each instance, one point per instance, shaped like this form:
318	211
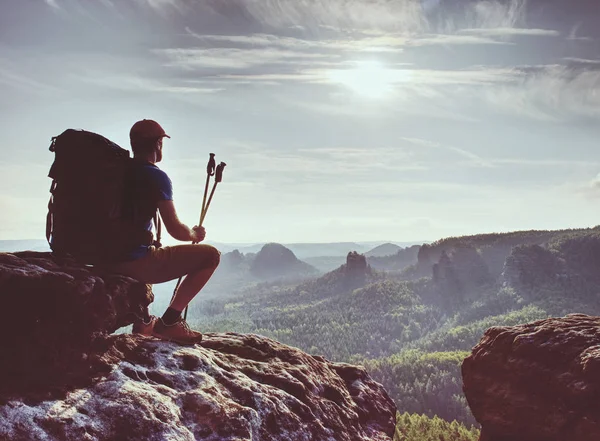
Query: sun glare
369	79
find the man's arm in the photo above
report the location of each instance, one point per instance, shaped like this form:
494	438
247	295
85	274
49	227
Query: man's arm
175	227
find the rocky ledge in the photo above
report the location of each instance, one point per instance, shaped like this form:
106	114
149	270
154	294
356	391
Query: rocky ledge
233	387
538	381
63	376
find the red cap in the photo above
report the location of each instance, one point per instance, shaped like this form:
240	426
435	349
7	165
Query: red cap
147	129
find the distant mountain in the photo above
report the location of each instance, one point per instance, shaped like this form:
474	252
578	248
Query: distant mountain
274	261
386	249
325	263
304	250
403	258
301	250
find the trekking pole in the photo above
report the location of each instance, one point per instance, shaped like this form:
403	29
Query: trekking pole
218	178
210	171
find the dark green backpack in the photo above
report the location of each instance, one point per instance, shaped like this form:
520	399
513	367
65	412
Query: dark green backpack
88	210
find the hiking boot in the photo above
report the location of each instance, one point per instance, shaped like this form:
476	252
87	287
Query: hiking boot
178	332
139	327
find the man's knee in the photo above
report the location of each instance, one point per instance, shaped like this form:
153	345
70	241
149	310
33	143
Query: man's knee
213	256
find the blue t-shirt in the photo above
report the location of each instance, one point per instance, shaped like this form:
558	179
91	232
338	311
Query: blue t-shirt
148	186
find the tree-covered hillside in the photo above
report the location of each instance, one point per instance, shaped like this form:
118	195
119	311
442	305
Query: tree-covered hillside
414	427
413	332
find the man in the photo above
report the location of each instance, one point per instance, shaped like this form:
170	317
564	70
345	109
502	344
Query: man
151	189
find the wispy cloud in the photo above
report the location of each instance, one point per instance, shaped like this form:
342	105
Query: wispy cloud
232	58
509	32
573	34
392	41
583	61
134	83
551	93
52	4
472	158
405	15
452	39
12	76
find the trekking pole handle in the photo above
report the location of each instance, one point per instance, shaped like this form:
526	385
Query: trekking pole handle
210	167
219	172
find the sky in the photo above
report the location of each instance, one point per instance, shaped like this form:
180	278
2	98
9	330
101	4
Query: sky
339	120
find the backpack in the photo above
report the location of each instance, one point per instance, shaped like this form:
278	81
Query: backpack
87	213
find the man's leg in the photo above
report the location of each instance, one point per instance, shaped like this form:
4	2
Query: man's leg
196	262
191	285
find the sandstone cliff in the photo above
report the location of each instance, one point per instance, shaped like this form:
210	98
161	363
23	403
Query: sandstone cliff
538	381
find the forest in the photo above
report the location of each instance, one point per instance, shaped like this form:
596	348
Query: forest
412	324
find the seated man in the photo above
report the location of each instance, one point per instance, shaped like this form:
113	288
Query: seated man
151	189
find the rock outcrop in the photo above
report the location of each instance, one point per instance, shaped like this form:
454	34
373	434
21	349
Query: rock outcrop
460	270
532	266
538	381
233	387
64	378
53	311
356	270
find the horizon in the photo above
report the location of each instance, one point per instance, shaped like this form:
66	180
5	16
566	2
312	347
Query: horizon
170	241
339	121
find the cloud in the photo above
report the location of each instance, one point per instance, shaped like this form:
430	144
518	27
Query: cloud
232	58
583	61
322	163
452	39
14	77
399	77
405	15
495	14
52	4
589	189
573	34
473	159
134	83
509	32
363	42
551	93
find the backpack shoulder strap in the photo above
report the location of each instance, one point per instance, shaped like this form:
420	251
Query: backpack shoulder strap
158	228
50	215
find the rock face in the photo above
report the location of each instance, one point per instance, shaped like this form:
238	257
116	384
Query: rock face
537	382
460	270
530	266
356	270
63	378
52	313
233	387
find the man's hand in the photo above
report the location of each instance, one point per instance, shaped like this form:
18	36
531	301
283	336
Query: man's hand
198	234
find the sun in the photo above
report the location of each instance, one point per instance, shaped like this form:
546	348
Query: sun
370	79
